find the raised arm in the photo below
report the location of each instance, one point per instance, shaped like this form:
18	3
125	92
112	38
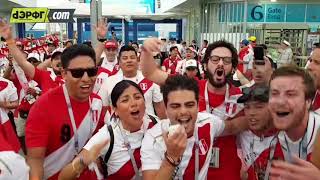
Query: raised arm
149	67
101	29
6	33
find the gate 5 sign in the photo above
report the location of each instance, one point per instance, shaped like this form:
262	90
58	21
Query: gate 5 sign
41	15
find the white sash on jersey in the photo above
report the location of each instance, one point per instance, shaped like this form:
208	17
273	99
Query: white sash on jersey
54	162
230	101
21	76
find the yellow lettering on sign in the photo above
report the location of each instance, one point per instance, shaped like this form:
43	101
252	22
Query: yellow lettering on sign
29	15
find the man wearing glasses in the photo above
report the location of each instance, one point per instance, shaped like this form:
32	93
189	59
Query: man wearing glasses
217	96
54	137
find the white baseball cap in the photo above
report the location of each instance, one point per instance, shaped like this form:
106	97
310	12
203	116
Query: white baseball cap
286	43
34	55
191	63
13	166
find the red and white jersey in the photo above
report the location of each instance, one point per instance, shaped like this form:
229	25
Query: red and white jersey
316	103
49	126
119	164
224	106
153	147
255	151
151	90
8	92
294	146
106	70
47	79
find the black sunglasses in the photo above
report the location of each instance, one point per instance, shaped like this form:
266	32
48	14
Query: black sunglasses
78	73
259	92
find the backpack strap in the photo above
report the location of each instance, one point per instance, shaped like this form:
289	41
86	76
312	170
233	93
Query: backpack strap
108	154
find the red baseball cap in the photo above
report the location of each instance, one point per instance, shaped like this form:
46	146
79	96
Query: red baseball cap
111	44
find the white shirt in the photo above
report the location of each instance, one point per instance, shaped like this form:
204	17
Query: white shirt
8	92
312	129
152	94
120	154
102	76
248	59
285	57
153	146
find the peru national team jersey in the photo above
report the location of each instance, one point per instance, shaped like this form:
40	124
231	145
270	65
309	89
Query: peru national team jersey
49	126
119	164
153	147
225	107
151	90
316	103
256	152
106	70
311	133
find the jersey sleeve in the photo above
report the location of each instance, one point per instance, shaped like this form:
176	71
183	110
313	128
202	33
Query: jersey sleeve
37	125
39	76
156	93
101	136
150	157
218	126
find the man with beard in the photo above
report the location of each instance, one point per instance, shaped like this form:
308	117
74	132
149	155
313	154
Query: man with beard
314	69
216	97
291	92
45	80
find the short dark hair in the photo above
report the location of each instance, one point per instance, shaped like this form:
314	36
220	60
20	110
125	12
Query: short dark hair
120	87
127	48
206	41
293	71
225	44
173	48
135	43
56	55
74	51
179	82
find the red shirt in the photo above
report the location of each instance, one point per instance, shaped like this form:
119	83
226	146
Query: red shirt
4	145
230	163
49	124
45	81
171	64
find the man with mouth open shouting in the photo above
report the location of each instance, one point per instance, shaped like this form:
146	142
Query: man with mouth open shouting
184	152
216	97
291	92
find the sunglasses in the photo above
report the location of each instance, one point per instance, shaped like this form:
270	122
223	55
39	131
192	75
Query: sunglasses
257	93
78	73
216	59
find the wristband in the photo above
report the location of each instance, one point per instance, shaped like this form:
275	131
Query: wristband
171	160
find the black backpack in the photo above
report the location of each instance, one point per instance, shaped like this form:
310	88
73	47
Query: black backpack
108	154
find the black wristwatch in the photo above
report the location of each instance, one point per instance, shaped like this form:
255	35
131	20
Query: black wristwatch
102	40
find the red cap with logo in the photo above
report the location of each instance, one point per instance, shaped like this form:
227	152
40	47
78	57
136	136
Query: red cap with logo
111	44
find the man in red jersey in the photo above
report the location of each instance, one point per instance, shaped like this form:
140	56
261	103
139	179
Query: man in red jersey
169	65
216	96
63	119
